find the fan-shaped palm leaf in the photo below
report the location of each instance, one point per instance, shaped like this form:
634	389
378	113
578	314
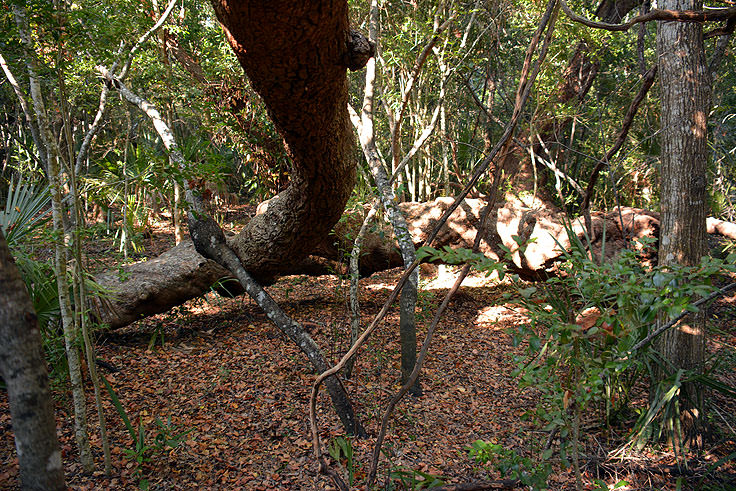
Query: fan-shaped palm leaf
26	208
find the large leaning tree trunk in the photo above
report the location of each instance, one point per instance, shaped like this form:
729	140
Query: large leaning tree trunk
685	89
295	55
23	368
181	273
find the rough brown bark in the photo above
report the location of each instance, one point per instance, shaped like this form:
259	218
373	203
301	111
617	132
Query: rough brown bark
685	103
295	57
141	289
23	368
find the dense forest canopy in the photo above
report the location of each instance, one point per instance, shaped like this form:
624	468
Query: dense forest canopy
562	145
189	70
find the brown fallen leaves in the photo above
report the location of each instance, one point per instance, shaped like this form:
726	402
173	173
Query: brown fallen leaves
225	374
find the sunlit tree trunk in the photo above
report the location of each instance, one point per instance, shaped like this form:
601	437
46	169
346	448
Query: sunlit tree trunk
74	256
408	300
685	93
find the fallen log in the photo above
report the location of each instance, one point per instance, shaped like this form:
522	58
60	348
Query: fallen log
154	286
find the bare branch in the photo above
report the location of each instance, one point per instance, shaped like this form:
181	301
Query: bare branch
684	314
527	78
26	110
646	84
656	14
418	64
169	8
724	37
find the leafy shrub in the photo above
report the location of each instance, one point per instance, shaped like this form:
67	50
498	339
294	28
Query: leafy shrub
510	464
588	339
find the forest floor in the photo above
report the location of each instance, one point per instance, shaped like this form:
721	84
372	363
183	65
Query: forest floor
216	374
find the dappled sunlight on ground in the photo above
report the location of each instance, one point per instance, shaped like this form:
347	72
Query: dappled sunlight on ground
492	317
441	277
225	375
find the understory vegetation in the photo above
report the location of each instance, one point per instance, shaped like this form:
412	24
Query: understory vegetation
505	371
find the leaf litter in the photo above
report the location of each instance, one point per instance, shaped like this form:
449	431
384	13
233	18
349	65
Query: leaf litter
218	372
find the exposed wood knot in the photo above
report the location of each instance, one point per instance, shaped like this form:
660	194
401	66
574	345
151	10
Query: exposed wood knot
359	50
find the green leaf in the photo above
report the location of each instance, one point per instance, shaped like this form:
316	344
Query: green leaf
528	292
23	211
121	411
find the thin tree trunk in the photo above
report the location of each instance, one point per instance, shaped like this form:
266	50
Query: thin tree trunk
125	242
60	266
354	292
78	273
176	213
408	300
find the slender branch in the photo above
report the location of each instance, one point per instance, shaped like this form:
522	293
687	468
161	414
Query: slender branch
559	173
124	71
677	319
418	64
92	131
26	111
408	299
354	284
724	37
422	139
522	95
82	154
480	104
355	119
527	78
526	81
167	137
655	14
646	84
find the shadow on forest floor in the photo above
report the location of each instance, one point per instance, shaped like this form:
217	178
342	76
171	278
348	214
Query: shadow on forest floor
219	370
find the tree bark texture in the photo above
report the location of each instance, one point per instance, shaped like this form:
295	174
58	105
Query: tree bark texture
685	103
408	299
54	173
294	54
23	368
